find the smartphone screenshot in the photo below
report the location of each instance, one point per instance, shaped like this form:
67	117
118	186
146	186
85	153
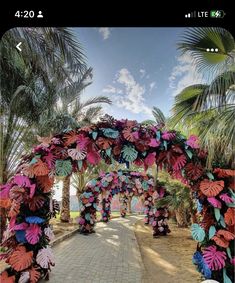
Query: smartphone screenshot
117	144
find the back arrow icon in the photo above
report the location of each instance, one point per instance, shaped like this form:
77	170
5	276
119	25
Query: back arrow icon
18	46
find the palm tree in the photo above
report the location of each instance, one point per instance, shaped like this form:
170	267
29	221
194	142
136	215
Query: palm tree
208	109
69	113
28	79
159	117
178	200
80	179
28	83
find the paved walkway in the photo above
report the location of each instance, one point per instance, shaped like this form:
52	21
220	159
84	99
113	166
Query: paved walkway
111	255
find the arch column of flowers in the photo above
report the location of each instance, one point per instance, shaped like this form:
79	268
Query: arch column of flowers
28	193
107	185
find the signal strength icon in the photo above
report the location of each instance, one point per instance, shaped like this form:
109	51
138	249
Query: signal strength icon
191	15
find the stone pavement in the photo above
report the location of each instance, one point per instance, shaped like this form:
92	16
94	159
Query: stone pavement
111	255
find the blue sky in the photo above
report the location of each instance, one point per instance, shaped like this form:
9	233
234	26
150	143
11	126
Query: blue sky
138	68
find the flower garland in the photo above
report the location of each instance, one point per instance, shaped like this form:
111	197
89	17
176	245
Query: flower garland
159	216
122	182
123	204
27	195
106	208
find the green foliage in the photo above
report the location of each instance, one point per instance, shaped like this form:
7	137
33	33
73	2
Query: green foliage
207	109
177	196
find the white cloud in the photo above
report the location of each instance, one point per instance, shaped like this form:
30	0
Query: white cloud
105	32
142	73
112	89
152	85
132	99
184	74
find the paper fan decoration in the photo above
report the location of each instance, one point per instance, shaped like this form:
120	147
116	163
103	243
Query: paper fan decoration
226	198
198	232
202	266
45	258
24	277
22	181
5	203
211	188
104	143
34	274
33	234
93	157
15	209
76	154
229	216
214	259
70	138
40	168
45	183
110	133
5	278
128	134
180	162
20	259
34	219
214	202
129	153
49	233
63	167
36	202
223	237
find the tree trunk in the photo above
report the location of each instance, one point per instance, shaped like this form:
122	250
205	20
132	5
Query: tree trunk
3	222
181	217
65	209
129	205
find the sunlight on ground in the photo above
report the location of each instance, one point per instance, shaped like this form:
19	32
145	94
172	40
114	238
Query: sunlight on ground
165	264
115	243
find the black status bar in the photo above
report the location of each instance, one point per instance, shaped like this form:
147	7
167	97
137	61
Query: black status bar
117	14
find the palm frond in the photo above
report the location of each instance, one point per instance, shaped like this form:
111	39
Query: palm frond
196	41
187	102
159	116
95	100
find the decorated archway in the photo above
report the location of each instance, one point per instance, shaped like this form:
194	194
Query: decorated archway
29	192
125	183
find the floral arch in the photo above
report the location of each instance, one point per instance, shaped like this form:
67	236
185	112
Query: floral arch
28	193
126	183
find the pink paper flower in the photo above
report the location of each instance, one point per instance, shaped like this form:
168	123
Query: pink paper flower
157	213
232	260
91	199
154	143
81	221
168	136
135	135
213	201
150	159
154	223
4	191
193	141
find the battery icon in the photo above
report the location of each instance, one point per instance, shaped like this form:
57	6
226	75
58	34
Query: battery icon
217	14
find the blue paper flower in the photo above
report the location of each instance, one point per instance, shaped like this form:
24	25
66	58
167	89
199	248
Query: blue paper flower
34	220
202	266
20	236
199	206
